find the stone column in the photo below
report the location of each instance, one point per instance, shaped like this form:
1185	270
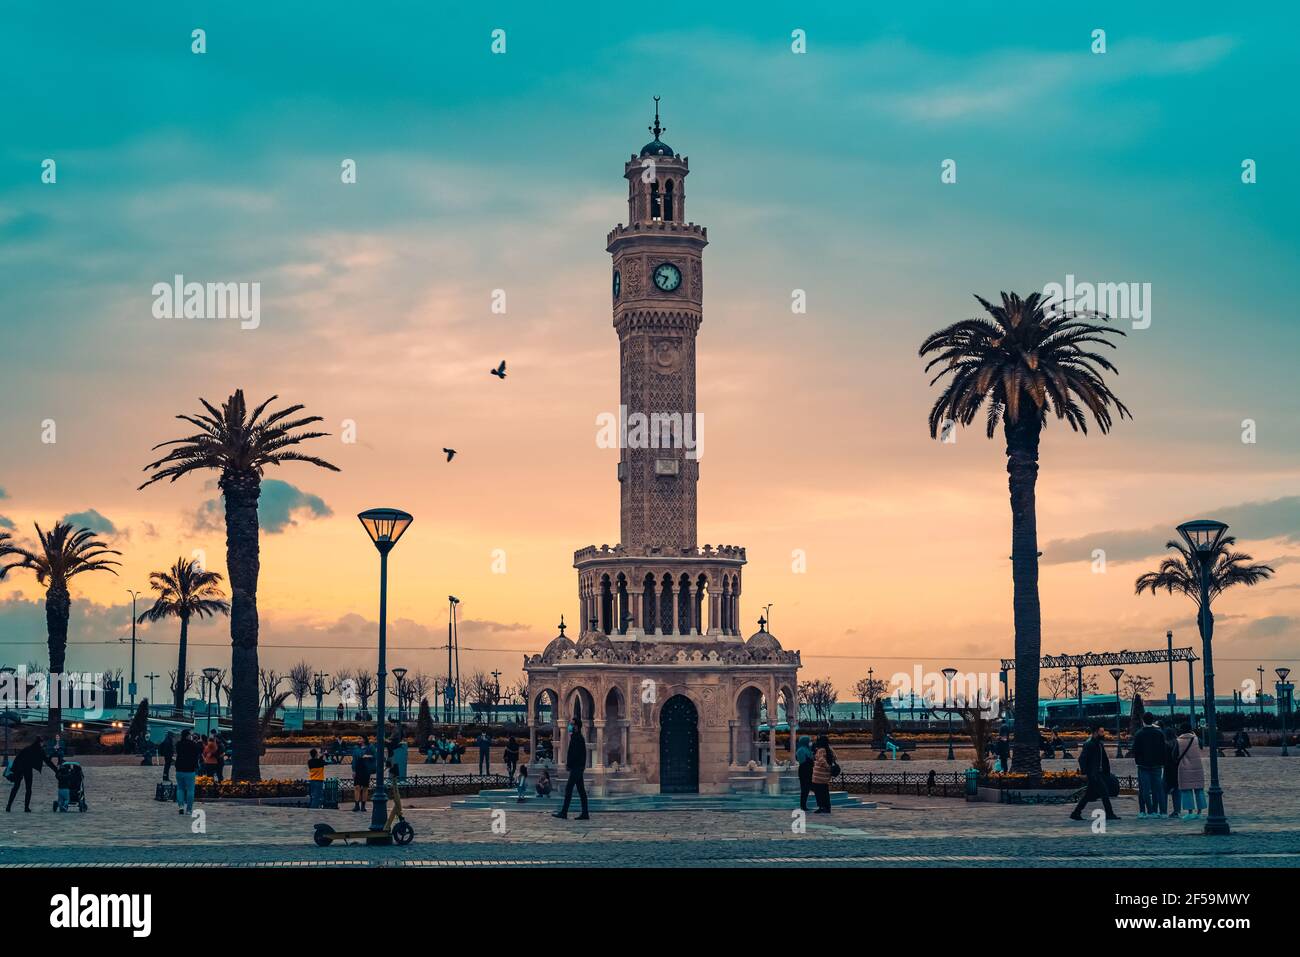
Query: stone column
771	726
532	739
637	624
732	757
599	762
624	743
715	603
654	603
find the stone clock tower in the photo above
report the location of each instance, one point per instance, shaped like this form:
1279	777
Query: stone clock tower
671	689
657	292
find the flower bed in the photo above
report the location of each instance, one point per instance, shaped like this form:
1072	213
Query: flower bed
279	791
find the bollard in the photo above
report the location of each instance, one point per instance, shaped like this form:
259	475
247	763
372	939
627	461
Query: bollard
972	784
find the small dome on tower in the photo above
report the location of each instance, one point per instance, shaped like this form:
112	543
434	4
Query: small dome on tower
657	147
762	640
558	645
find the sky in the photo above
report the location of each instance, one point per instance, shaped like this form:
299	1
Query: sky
480	171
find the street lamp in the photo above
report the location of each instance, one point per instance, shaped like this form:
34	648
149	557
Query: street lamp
1202	538
1117	673
134	595
1259	695
318	688
151	676
384	526
451	687
496	692
210	676
399	674
1172	698
949	674
1284	704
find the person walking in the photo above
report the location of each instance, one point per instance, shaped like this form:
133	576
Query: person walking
398	754
187	766
167	749
484	741
338	712
315	779
29	759
362	768
824	768
1095	765
1004	752
1149	752
803	756
221	757
511	757
1171	769
576	764
1191	773
210	757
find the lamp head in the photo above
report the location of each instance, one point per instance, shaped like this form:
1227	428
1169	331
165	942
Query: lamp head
399	673
385	526
1116	673
950	673
1282	673
1203	535
211	673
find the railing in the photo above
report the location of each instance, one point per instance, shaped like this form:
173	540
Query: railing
943	784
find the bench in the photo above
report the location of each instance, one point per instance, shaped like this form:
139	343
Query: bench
900	747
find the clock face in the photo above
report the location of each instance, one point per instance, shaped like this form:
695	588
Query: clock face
618	283
667	277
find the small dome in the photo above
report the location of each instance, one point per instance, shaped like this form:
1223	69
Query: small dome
558	646
763	640
594	639
656	147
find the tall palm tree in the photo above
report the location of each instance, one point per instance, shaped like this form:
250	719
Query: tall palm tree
1022	361
239	445
63	553
1179	575
185	591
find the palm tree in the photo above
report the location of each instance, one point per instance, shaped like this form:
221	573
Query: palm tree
1025	361
64	553
240	445
7	548
185	591
1180	575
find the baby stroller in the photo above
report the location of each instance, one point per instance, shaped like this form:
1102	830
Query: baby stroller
72	778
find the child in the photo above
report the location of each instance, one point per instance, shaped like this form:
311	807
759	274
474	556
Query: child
63	774
544	784
522	784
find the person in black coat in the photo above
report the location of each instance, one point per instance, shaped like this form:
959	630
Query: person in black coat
1095	765
576	764
26	761
167	750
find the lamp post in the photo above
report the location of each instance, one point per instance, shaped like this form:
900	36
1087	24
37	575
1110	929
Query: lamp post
1172	698
449	689
318	688
384	526
1117	673
949	674
399	674
131	689
1284	704
1259	695
210	677
1202	538
496	692
151	676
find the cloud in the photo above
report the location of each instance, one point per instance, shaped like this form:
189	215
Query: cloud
1278	518
3	493
279	507
1270	626
6	522
92	520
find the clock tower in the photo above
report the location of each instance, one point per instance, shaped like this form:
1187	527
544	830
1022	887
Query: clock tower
657	293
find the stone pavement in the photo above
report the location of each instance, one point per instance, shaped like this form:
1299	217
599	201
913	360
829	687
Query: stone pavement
126	826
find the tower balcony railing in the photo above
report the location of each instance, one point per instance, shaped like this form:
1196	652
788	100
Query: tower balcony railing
657	226
594	552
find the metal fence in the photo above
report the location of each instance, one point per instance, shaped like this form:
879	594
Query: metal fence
943	784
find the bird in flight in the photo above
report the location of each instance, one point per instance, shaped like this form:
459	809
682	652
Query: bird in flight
451	454
499	371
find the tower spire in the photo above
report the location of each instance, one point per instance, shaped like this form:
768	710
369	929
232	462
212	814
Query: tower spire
657	129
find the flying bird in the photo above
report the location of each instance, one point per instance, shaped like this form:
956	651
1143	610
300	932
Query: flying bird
451	454
499	371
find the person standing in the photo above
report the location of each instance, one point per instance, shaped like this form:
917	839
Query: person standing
484	742
187	766
511	757
803	756
576	765
1149	755
1171	769
29	759
315	779
210	757
221	757
1095	765
363	766
824	768
167	749
1191	773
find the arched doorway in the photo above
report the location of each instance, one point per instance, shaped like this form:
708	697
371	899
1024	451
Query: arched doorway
679	747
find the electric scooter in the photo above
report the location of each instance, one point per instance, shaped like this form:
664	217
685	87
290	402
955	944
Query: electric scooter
395	830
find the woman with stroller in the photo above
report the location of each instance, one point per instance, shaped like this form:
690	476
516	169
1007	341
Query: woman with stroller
26	761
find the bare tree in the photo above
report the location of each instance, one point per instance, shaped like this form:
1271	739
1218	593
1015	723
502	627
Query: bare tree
821	697
867	690
1138	686
269	680
180	685
300	681
1063	683
482	690
416	687
365	685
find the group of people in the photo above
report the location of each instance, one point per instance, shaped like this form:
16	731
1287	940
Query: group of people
817	765
441	748
1171	778
33	759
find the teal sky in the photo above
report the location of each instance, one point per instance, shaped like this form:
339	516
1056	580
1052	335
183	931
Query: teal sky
818	171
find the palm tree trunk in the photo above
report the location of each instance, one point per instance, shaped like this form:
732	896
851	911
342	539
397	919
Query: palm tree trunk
242	565
58	605
178	693
1022	471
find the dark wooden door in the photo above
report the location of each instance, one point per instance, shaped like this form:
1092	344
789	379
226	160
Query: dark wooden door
679	747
